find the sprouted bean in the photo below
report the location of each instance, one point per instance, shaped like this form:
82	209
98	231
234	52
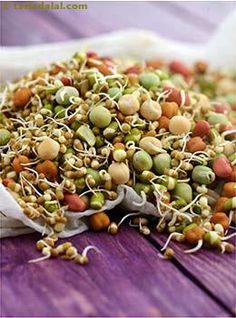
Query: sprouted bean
70	135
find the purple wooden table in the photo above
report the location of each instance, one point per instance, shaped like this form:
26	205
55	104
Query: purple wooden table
128	278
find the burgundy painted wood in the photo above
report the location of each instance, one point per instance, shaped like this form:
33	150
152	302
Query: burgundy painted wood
128	278
216	272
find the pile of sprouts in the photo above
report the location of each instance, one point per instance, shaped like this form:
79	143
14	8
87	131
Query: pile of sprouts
70	134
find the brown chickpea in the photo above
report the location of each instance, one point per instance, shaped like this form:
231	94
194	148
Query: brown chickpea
219	205
18	161
229	189
169	109
194	234
196	144
21	97
99	221
163	123
48	168
220	218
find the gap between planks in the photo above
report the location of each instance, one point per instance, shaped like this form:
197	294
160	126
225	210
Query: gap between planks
153	239
113	280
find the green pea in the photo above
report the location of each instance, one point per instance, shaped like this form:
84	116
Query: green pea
203	175
59	111
52	89
92	79
111	130
180	228
162	75
212	238
189	227
70	150
159	187
135	131
130	90
80	184
197	209
100	117
231	99
145	176
75	125
2	117
50	207
232	157
134	135
179	203
230	204
48	107
97	201
214	137
138	187
142	161
115	93
184	191
80	56
216	118
178	80
5	136
141	124
168	182
207	86
64	94
161	162
149	80
86	134
232	116
99	141
65	157
95	175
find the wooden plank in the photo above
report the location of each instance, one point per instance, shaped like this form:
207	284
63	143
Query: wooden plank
216	272
127	279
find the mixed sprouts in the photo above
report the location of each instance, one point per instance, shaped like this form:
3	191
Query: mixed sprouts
72	133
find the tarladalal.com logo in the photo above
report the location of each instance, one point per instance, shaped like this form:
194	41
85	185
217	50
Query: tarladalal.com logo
43	5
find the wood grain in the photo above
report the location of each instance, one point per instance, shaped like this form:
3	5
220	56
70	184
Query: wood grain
127	279
216	272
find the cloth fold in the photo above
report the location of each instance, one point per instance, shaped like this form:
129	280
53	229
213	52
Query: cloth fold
14	222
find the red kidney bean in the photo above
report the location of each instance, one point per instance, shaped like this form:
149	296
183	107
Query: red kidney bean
225	127
201	129
91	54
196	144
180	68
232	177
155	63
133	70
7	181
66	81
222	167
74	202
221	107
175	96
